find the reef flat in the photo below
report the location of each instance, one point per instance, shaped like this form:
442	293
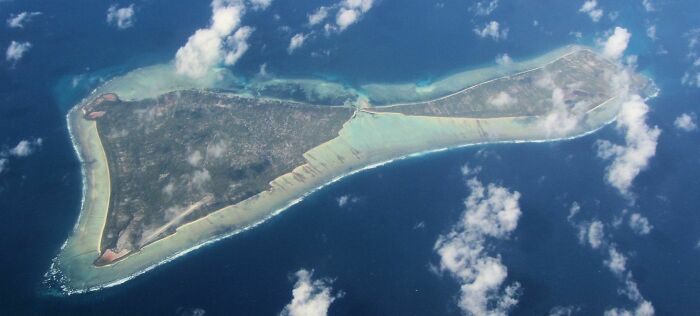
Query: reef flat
188	165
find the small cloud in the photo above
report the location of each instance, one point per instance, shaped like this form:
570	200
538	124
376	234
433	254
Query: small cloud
345	200
645	308
615	46
469	171
648	5
26	147
122	18
194	158
691	77
573	210
617	262
260	4
218	149
502	99
21	19
686	122
640	224
484	8
16	50
169	189
595	234
590	7
564	310
651	32
23	149
199	179
493	30
350	12
296	42
310	297
318	16
504	60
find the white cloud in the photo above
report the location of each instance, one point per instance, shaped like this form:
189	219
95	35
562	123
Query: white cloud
26	147
309	297
346	17
347	13
169	189
21	19
493	30
492	211
651	32
224	41
318	16
648	6
590	7
238	45
686	122
23	149
690	79
260	4
296	41
217	150
194	158
640	224
199	179
617	263
562	118
614	47
644	308
502	99
504	60
631	290
485	7
640	145
346	199
596	234
16	50
573	210
351	11
468	171
123	18
564	310
692	74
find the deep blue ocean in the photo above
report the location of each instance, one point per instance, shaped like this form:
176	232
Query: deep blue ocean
378	250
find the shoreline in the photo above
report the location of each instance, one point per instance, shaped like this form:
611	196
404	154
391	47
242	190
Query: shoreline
76	278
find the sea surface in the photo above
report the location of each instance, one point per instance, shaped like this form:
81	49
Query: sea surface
377	249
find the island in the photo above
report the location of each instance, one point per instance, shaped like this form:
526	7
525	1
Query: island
181	167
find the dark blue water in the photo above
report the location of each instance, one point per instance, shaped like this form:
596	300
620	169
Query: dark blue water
374	249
